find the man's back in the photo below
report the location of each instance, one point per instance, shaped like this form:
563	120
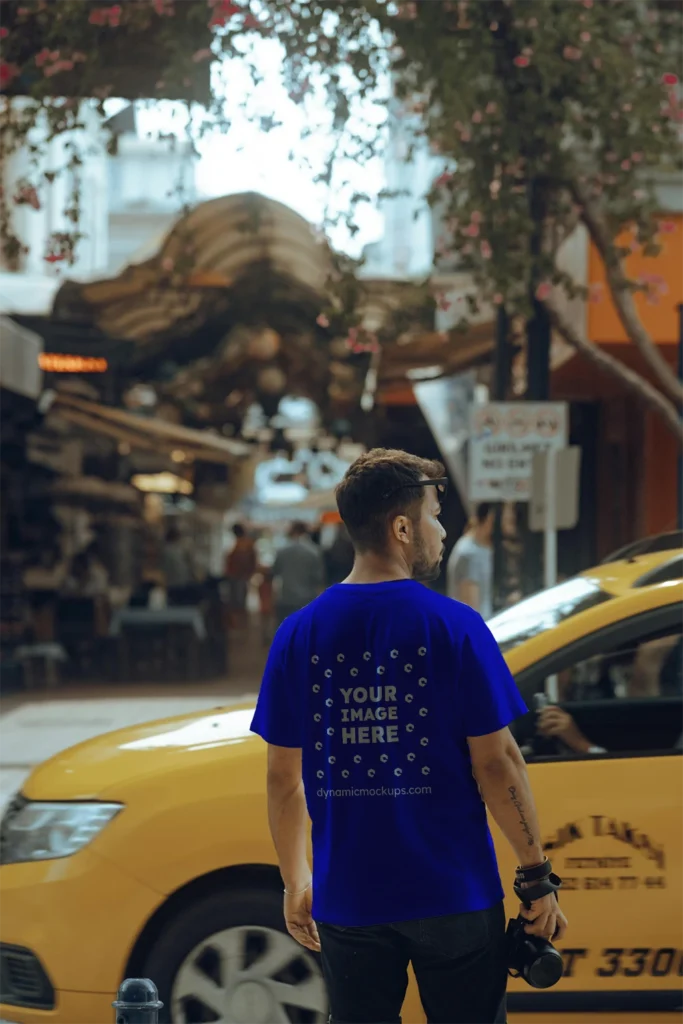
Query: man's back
385	683
299	568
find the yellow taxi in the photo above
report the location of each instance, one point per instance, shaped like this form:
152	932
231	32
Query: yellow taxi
145	852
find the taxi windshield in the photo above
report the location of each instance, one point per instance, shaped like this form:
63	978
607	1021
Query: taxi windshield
545	610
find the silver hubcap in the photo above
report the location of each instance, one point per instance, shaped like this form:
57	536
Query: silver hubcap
249	975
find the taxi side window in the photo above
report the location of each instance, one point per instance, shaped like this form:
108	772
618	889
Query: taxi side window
652	667
626	699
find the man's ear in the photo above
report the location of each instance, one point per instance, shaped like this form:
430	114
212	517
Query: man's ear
401	529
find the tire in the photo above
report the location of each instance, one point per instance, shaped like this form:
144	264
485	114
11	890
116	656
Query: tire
228	959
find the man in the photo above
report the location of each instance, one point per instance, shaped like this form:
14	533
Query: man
470	567
380	702
299	572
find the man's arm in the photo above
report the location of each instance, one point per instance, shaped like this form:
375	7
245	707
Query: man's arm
501	774
467	591
288	820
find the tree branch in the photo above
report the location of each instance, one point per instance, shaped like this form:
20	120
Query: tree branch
623	297
629	378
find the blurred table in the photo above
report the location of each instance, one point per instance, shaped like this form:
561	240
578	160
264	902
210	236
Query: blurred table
157	643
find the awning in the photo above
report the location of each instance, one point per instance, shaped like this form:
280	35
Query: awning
148	433
208	251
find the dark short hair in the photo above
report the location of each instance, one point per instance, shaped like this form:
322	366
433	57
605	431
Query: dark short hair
483	511
298	529
380	485
238	530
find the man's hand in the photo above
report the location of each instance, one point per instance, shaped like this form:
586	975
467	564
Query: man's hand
545	918
300	924
556	723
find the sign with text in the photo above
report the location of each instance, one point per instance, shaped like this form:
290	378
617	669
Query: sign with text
503	439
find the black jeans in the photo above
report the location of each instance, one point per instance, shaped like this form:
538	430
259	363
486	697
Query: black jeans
459	961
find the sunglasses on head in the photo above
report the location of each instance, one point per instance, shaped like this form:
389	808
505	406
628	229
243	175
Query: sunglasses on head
440	482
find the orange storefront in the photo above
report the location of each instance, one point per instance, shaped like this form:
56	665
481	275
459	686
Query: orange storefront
635	455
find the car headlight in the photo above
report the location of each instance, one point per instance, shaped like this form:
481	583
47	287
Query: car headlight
33	830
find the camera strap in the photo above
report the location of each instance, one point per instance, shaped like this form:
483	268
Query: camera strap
543	887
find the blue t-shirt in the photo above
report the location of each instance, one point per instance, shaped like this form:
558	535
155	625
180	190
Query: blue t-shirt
380	684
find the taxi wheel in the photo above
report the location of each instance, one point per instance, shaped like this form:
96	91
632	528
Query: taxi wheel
228	959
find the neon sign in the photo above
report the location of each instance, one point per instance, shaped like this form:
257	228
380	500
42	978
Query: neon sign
53	362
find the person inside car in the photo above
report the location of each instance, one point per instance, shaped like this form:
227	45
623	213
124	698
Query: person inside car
657	670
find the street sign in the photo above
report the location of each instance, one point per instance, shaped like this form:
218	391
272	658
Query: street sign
503	439
566	479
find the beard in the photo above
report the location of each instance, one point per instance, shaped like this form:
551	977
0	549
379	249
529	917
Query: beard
425	568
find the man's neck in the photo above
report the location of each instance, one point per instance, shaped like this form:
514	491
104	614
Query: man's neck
479	537
373	568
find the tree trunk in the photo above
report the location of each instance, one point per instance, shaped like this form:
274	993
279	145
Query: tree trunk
638	385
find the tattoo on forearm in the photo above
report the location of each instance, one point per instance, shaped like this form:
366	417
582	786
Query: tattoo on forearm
524	824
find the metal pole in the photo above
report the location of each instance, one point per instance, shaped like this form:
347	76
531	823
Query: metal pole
680	377
501	376
538	334
550	534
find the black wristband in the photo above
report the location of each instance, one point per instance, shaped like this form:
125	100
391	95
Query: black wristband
543	870
542	888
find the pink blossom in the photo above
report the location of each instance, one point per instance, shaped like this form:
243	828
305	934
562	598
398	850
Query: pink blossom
465	136
667	227
477	117
8	72
486	250
585	37
627	108
407	11
639	194
625	165
669	78
476	217
27	196
443	179
572	53
587	3
55	257
595	292
472	230
544	291
204	54
4	32
636	157
322	320
444	303
44	56
223	11
498	299
521	61
491	107
251	22
466	250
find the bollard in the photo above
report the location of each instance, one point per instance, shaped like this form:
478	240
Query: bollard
138	1002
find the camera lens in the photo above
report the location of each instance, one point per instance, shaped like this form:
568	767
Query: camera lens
546	970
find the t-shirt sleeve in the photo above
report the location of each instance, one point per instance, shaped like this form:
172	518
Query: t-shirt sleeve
491	699
278	717
468	568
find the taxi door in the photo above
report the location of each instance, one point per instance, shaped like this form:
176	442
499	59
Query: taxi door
612	826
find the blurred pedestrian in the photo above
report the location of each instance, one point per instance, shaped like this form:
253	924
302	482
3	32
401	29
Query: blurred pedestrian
240	566
299	572
339	557
469	572
178	570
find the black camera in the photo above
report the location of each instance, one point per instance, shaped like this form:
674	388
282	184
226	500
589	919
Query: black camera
532	958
